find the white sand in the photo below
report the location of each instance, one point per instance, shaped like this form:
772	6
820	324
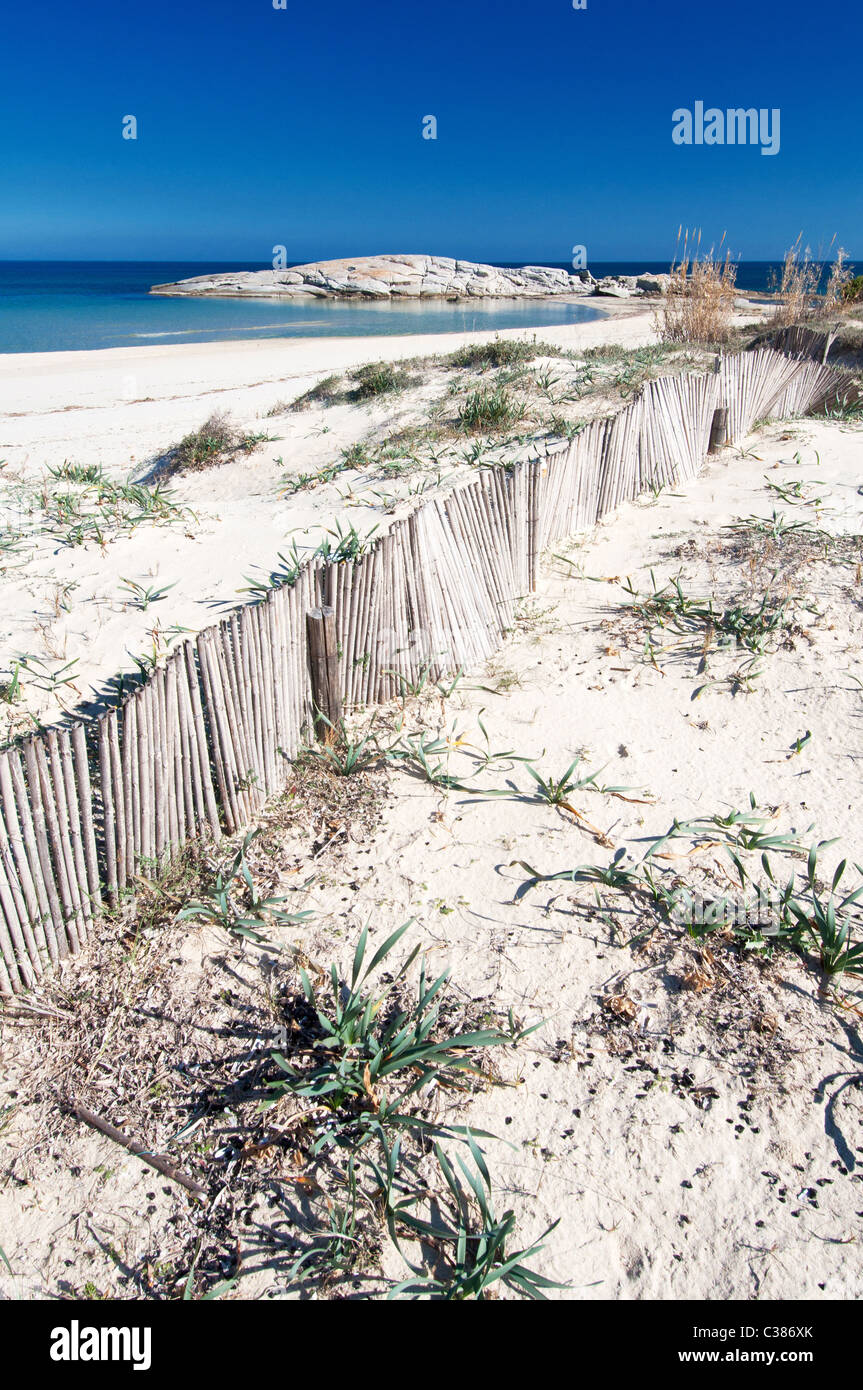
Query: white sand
657	1198
749	1188
121	409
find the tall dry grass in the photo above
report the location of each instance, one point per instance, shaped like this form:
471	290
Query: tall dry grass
699	305
799	300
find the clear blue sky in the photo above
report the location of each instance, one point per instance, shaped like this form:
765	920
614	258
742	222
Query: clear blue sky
302	127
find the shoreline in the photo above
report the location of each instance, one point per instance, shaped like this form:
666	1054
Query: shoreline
608	311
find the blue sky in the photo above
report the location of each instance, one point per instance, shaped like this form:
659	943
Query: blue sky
303	127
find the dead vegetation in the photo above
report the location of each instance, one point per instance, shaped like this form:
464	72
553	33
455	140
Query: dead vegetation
699	304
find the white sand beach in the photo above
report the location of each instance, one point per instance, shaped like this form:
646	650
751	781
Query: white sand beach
689	1112
120	410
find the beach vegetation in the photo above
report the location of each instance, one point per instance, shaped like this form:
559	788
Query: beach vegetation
233	902
363	1057
286	572
797	290
475	1243
852	291
325	392
377	379
357	456
699	304
88	473
488	409
348	544
344	754
502	352
806	910
302	482
140	596
216	441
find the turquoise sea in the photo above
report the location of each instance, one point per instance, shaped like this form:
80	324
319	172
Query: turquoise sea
58	305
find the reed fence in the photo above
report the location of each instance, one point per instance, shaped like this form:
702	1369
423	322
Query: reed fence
196	750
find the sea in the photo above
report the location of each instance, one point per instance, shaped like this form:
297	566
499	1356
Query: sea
53	306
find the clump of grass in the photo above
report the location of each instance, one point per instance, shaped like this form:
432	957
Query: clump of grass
347	546
214	442
325	392
703	623
488	409
476	1242
748	627
90	473
302	482
699	304
800	283
286	572
502	352
141	596
344	754
10	688
369	1060
233	902
377	379
816	919
357	455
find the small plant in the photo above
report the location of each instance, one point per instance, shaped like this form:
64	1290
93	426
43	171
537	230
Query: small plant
220	907
357	456
827	920
429	756
287	572
90	473
343	755
325	392
479	1253
141	597
43	677
208	444
10	690
489	409
336	1251
377	379
349	544
369	1061
302	482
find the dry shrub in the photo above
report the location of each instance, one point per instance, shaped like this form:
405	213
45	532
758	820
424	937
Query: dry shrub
799	299
699	305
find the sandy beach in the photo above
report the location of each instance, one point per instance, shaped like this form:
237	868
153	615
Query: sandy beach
687	1111
122	410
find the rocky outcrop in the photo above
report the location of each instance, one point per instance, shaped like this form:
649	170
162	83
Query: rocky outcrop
631	286
388	277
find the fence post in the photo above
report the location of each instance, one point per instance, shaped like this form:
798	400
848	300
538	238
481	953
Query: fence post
718	429
719	423
324	670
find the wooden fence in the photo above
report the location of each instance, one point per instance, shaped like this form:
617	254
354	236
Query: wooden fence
196	750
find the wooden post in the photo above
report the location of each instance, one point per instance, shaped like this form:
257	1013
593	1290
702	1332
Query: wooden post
324	670
718	430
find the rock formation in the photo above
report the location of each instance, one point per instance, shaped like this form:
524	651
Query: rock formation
411	277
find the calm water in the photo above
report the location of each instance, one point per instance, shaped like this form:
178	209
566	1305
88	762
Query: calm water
54	305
